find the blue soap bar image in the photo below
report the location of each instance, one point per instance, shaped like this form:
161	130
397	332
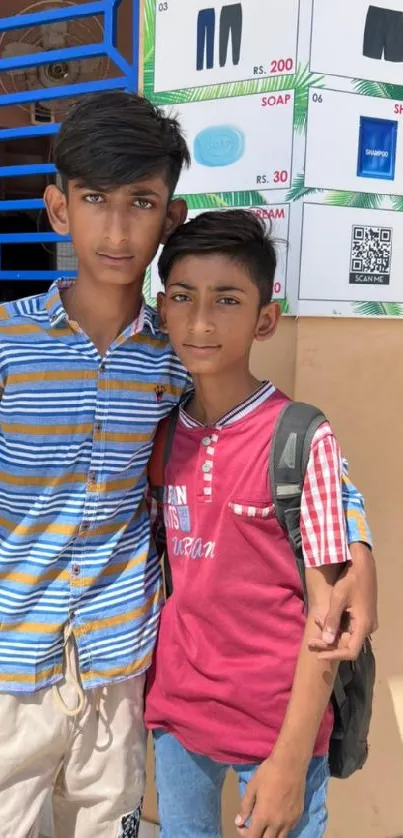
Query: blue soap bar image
377	148
219	145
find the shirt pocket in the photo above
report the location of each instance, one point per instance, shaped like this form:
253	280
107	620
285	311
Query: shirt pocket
252	510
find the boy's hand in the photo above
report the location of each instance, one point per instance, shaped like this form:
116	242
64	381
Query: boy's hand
354	597
273	802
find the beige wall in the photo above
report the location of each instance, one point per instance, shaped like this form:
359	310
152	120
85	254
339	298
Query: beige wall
353	369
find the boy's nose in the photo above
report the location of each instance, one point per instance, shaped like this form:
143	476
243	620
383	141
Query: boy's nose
116	229
201	321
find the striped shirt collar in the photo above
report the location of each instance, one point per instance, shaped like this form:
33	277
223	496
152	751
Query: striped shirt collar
147	318
264	392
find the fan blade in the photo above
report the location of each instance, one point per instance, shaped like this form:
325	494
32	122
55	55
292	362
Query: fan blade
14	48
54	35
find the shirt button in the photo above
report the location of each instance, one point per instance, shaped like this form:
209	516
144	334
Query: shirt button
206	441
85	526
93	477
102	366
98	427
206	467
75	569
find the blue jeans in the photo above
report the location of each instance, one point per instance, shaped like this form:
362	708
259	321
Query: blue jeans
205	38
189	792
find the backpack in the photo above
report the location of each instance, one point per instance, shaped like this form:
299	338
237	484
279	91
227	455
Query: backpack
289	453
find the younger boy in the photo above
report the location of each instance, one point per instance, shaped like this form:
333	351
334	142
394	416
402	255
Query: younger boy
233	683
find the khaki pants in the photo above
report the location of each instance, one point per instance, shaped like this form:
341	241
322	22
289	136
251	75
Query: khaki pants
88	748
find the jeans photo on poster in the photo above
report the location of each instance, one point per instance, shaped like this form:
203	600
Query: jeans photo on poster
230	29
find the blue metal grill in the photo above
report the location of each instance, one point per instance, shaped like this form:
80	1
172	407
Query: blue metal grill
128	80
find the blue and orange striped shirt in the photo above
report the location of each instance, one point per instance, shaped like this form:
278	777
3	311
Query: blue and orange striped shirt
75	437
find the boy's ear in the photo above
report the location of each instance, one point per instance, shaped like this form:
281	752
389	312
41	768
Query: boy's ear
266	326
176	215
56	205
161	311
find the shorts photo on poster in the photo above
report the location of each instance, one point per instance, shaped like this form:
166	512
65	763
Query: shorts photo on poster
200	44
371	255
354	143
383	35
358	39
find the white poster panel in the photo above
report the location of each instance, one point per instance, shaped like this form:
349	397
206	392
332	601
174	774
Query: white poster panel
217	43
361	254
333	147
356	39
233	150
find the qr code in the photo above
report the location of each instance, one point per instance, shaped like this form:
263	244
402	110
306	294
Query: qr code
371	255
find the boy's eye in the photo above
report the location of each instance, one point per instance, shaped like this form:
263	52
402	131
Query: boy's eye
228	301
180	298
142	203
93	198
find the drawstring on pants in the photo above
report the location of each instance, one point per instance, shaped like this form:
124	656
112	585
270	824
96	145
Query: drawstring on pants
71	677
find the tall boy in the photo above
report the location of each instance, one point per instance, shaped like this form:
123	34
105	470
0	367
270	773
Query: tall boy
86	375
233	683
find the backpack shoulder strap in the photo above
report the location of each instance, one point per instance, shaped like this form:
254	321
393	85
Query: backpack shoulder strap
161	453
289	455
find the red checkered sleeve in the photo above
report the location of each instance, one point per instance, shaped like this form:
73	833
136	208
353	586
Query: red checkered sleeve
323	524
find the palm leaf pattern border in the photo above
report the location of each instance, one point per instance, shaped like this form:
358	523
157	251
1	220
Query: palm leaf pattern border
378	88
397	202
372	309
361	200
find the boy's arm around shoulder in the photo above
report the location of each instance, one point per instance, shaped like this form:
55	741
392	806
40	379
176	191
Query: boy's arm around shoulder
355	593
325	552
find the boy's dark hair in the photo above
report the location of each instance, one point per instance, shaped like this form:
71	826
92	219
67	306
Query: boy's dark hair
236	233
112	139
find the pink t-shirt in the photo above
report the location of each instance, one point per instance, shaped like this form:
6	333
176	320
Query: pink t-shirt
231	632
